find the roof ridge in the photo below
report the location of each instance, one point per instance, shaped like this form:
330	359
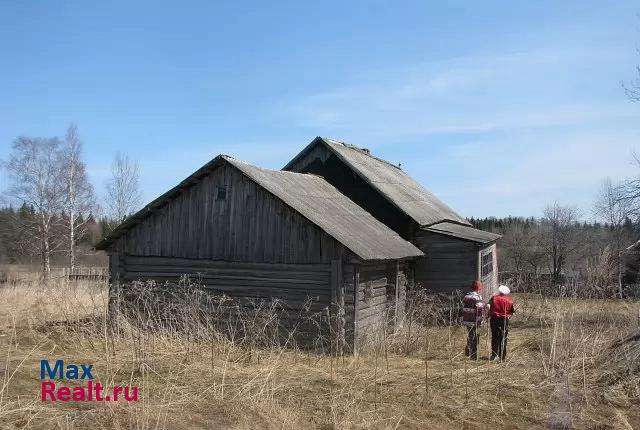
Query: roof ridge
365	151
233	159
446	220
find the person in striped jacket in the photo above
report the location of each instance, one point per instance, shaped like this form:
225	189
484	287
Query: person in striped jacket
472	316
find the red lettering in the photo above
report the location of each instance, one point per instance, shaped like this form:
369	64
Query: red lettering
64	394
49	391
79	394
98	389
134	397
47	387
116	390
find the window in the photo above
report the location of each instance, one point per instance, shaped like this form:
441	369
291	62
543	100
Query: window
487	264
221	193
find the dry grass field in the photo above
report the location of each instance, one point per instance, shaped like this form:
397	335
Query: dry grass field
564	369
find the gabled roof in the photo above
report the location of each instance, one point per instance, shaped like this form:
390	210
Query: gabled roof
390	181
463	232
313	198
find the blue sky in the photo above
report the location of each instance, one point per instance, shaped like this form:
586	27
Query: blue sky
498	107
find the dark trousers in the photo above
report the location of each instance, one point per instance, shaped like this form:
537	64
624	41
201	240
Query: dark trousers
472	342
499	332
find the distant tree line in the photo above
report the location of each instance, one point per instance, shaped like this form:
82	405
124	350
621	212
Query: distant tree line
559	248
18	247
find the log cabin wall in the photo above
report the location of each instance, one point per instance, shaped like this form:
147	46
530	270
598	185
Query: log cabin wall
449	263
379	300
294	284
348	281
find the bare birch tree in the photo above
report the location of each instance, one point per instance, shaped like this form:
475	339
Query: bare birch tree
559	235
123	189
79	196
35	169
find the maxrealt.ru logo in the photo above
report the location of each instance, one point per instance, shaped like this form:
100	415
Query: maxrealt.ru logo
81	393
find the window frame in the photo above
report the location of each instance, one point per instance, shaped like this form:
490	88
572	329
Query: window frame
486	264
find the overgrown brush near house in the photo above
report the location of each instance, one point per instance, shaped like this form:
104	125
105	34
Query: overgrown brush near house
570	361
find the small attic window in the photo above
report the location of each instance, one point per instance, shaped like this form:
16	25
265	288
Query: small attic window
221	193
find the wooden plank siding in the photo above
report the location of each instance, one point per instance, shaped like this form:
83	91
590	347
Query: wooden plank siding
250	225
449	263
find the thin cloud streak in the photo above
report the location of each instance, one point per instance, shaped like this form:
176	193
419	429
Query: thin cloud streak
465	95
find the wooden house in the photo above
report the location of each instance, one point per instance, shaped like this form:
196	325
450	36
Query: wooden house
455	252
256	233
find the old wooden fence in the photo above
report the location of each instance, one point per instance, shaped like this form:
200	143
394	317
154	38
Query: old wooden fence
86	273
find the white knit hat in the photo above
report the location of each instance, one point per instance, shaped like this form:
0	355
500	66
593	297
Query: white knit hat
503	289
